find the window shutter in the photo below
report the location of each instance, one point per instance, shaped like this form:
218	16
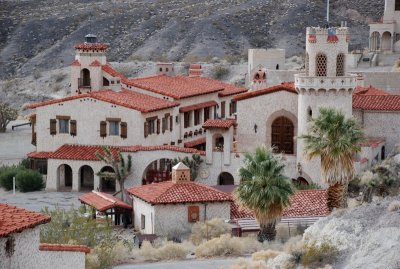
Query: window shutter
124	130
53	126
103	128
193	214
72	127
146	129
171	121
158	126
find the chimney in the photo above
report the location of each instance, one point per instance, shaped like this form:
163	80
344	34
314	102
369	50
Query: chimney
195	70
180	173
165	69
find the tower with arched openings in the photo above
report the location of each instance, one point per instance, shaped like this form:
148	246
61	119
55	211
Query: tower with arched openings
324	83
86	69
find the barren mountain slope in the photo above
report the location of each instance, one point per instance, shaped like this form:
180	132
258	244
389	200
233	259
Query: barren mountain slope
40	34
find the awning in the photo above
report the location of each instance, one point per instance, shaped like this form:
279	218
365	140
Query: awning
102	201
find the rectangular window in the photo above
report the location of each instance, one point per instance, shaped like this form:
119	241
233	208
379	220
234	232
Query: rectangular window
232	108
103	129
72	129
143	222
223	109
197	117
113	128
397	5
186	117
150	126
53	126
124	130
193	214
206	113
63	126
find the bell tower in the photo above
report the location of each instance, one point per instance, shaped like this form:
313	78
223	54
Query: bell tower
86	73
324	83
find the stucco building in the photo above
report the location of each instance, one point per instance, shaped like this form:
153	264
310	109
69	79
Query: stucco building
20	247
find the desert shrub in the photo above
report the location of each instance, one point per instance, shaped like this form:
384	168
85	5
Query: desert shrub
6	176
265	255
210	229
226	245
28	180
295	247
246	264
25	163
37	74
319	255
394	206
166	251
219	71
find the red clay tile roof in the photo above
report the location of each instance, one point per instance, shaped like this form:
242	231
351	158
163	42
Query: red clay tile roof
63	247
111	71
195	142
95	63
92	46
228	89
304	203
197	106
369	91
183	192
221	124
166	147
286	86
130	99
177	87
76	63
373	142
88	152
102	201
376	102
14	219
73	152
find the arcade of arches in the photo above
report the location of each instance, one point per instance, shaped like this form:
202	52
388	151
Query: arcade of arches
157	171
225	178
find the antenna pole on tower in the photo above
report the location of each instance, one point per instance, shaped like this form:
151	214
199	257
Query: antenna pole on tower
327	12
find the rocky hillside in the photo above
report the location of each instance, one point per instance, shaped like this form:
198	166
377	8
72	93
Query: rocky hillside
37	35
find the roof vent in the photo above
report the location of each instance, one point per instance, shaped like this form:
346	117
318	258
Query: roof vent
180	173
90	38
195	70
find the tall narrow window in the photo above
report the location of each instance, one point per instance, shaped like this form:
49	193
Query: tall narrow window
282	133
321	63
397	5
340	65
197	117
307	64
223	109
206	113
72	125
113	127
143	222
186	119
53	126
124	130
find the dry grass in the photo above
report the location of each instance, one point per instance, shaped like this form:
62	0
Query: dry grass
209	230
167	251
265	255
245	264
394	206
226	245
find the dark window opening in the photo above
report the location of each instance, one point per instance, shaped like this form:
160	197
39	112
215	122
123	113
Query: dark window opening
206	113
197	117
186	117
397	5
282	133
106	82
277	67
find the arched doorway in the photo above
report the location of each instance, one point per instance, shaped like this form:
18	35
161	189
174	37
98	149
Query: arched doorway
86	177
157	171
226	178
218	142
64	177
282	134
374	41
85	78
386	41
107	184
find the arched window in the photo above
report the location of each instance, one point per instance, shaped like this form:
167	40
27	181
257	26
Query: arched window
340	65
85	78
307	64
282	133
277	67
309	113
225	178
321	63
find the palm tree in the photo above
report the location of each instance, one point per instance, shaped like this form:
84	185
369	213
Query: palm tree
335	140
264	189
122	170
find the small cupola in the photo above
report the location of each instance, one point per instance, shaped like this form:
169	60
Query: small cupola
165	69
90	38
180	173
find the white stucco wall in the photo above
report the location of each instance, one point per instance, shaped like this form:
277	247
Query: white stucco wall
140	208
27	254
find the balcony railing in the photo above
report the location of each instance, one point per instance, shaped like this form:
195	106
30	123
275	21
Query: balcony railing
84	83
344	82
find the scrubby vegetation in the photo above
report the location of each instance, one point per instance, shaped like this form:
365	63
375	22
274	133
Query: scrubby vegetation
166	250
25	179
7	114
209	230
219	72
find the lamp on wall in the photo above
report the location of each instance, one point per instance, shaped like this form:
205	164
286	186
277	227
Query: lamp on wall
255	128
299	168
